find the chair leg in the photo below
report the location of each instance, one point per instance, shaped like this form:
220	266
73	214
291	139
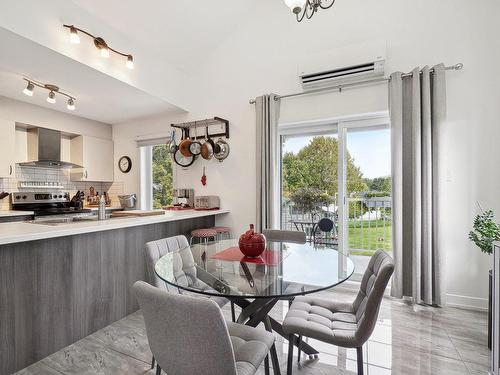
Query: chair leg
233	313
290	355
153	363
158	370
266	365
300	348
359	352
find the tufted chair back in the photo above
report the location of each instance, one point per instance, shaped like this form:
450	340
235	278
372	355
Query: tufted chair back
184	264
367	303
186	335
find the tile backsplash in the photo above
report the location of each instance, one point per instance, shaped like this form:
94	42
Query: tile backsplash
57	177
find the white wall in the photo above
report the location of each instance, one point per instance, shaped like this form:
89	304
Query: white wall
26	113
263	55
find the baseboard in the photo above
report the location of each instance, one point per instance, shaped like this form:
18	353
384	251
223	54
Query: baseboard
467	302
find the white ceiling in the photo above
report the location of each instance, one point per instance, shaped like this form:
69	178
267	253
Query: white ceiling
99	96
180	32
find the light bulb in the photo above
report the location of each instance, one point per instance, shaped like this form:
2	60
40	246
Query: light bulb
71	104
73	35
29	89
104	52
295	5
130	62
52	97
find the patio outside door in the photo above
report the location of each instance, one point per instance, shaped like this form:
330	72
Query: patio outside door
339	170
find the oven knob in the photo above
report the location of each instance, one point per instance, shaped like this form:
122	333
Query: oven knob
60	196
24	197
18	197
54	196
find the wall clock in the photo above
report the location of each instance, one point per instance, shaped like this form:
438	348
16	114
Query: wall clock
125	164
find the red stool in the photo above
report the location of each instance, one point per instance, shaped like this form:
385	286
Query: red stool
222	232
203	234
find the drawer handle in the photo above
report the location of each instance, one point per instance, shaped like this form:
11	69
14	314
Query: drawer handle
86	174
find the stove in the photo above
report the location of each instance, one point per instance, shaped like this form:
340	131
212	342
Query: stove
44	204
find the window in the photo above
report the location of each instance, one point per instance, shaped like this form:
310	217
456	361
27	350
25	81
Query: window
339	170
157	176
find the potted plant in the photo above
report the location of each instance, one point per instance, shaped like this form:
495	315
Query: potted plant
484	233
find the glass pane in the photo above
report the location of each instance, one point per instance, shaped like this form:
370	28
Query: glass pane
368	196
162	177
310	188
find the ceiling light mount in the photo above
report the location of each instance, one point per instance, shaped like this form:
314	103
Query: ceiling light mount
307	8
52	89
99	43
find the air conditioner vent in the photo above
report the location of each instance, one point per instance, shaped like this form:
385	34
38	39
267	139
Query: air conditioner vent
332	77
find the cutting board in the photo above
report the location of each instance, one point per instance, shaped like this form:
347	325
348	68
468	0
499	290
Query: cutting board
137	213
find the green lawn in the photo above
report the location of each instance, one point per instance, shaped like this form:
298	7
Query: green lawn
365	237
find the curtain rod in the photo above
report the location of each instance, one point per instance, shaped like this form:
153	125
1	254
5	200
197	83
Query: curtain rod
375	81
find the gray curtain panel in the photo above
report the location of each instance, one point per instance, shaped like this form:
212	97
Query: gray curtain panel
267	114
417	106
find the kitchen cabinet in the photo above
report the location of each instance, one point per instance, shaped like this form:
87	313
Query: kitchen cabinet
7	148
96	157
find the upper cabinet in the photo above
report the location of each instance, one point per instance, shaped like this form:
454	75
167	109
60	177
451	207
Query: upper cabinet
7	148
96	157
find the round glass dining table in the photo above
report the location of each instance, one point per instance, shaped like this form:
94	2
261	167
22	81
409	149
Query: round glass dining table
283	271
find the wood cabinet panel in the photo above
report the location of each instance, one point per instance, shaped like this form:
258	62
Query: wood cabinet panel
57	291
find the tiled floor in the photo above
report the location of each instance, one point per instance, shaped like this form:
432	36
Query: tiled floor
407	340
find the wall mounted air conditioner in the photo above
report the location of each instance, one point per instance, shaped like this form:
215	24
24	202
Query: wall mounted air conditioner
316	76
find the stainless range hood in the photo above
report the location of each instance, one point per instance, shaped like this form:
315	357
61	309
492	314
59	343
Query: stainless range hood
44	150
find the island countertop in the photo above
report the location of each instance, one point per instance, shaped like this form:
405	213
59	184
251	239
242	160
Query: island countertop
27	231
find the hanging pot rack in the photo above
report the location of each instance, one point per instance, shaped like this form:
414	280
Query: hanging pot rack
206	123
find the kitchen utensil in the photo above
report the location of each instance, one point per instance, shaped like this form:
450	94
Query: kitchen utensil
183	161
207	148
195	146
127	200
252	244
172	146
3	194
223	150
184	145
203	178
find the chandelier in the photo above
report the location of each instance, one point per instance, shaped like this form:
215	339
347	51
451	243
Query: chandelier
307	8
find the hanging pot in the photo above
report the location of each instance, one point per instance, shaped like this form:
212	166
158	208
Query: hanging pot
223	150
184	145
207	148
195	146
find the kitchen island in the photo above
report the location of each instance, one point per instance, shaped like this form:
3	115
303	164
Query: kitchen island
61	283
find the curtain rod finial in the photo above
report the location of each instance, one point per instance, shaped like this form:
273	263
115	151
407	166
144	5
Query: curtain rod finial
459	66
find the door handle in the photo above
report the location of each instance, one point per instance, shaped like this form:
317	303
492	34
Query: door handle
86	174
10	170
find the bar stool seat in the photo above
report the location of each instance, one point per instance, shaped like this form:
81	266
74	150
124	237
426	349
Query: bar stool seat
222	229
204	233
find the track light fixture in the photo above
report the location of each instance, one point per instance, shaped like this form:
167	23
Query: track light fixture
306	8
100	44
52	89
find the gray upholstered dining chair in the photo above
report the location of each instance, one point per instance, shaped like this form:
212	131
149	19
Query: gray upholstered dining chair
285	235
185	275
347	325
189	335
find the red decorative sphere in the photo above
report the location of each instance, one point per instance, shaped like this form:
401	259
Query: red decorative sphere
252	244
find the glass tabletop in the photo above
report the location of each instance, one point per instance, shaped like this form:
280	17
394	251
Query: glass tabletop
283	270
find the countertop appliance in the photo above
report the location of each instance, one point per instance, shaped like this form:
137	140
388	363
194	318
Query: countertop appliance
53	204
183	198
207	202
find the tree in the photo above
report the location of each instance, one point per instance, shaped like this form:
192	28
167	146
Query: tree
162	177
380	184
315	167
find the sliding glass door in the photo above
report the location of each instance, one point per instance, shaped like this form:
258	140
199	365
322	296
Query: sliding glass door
336	184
